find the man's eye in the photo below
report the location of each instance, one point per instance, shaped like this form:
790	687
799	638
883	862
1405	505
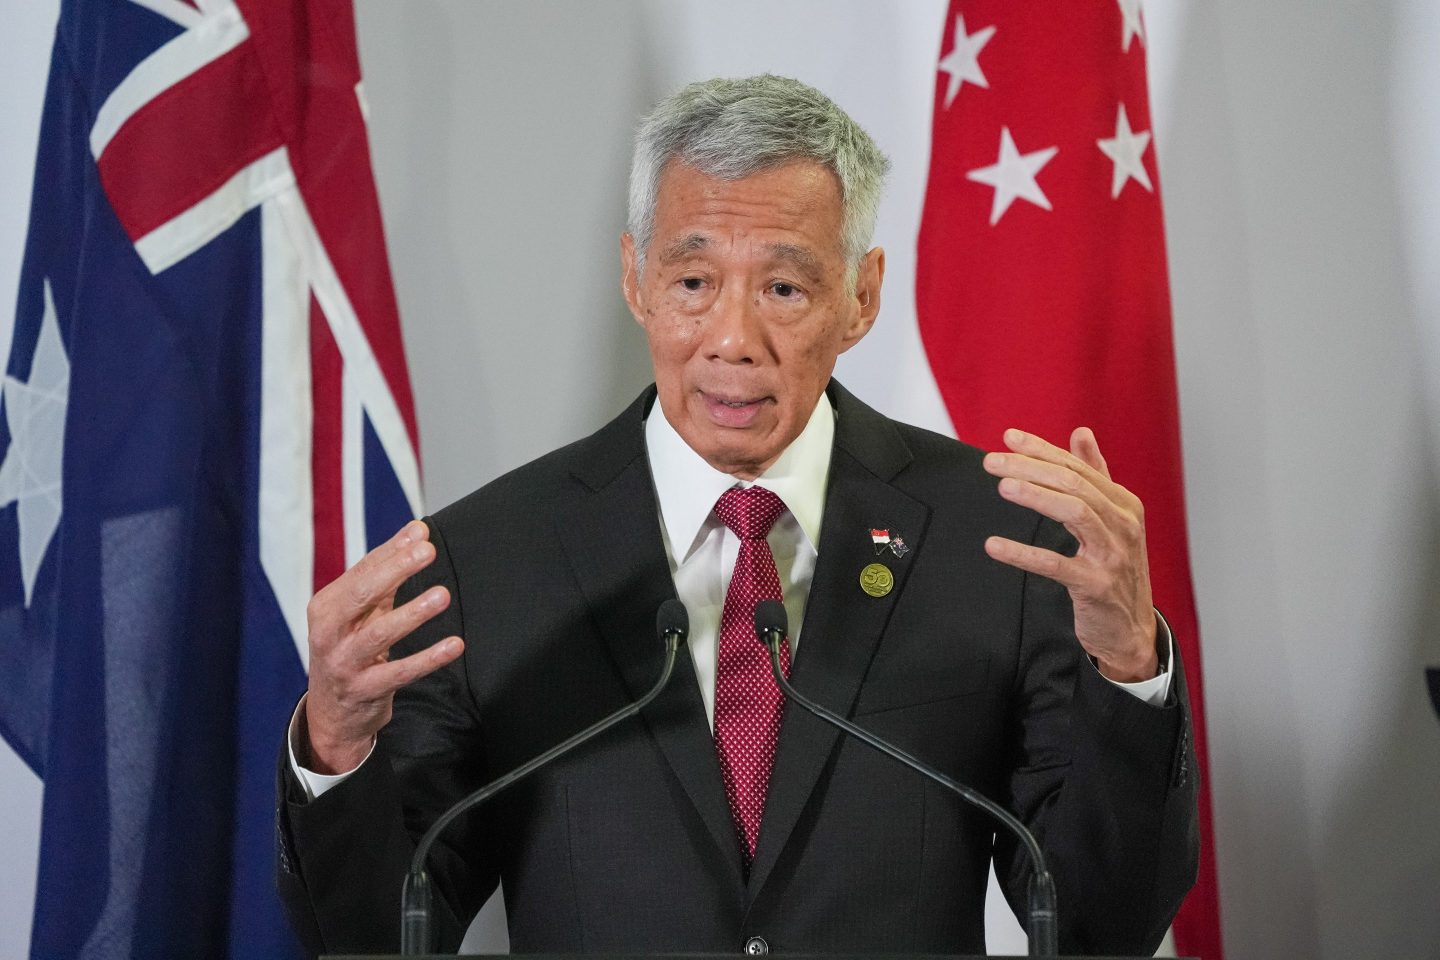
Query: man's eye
692	284
785	290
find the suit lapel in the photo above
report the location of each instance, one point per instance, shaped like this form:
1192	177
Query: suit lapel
612	539
843	624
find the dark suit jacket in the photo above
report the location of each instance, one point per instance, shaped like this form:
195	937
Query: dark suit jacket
627	845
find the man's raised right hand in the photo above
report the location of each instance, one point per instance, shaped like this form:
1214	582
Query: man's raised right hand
353	624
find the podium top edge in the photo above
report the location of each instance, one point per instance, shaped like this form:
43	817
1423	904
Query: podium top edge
712	956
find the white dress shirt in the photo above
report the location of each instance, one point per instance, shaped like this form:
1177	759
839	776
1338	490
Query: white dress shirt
702	550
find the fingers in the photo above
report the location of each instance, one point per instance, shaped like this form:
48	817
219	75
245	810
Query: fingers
1047	563
353	622
1081	472
1028	444
369	586
381	571
345	709
1085	522
1072	487
1108	577
1013	466
1058	491
1084	445
387	678
381	633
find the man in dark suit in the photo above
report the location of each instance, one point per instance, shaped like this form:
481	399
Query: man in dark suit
718	820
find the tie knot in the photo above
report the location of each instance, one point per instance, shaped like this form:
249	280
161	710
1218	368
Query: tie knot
750	511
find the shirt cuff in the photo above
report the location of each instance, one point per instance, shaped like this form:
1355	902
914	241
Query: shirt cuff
1155	691
314	784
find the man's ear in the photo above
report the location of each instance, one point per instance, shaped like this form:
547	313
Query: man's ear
869	275
630	279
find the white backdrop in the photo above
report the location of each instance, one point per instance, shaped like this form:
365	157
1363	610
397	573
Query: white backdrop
1298	144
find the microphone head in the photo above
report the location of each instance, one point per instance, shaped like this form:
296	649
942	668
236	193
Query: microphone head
770	620
672	618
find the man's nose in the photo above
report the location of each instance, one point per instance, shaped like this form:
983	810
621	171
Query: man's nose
733	332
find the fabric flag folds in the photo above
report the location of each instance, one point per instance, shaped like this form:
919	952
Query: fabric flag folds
1041	283
206	414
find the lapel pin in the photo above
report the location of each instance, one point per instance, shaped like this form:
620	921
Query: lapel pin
876	579
882	540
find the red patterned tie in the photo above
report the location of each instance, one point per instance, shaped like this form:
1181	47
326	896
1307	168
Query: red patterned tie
747	702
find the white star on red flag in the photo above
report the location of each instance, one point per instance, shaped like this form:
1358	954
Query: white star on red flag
1127	150
962	63
1132	27
1013	176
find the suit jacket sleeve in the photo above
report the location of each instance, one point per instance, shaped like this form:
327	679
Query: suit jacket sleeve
1106	781
343	856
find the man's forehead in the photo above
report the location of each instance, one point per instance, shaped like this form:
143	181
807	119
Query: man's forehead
799	187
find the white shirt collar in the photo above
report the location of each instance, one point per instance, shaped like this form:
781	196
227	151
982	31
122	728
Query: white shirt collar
687	487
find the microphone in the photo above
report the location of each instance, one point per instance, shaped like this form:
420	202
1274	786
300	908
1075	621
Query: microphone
771	628
672	623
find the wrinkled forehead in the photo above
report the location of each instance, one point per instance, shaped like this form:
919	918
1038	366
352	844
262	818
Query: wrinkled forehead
794	208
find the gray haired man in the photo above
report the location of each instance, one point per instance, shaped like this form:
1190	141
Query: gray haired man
1007	635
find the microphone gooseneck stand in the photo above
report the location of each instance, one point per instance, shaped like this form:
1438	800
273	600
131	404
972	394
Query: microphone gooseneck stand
416	936
771	626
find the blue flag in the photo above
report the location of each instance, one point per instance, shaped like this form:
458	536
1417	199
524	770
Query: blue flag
205	414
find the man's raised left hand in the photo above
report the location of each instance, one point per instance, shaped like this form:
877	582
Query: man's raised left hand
1109	576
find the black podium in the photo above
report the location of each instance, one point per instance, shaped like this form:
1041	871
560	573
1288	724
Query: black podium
710	956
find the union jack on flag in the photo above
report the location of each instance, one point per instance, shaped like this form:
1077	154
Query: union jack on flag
207	415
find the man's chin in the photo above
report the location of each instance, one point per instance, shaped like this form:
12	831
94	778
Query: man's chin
745	458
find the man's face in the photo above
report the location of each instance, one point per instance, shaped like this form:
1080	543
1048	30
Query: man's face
745	303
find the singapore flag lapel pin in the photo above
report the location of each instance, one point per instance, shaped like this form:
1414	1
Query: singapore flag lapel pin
883	539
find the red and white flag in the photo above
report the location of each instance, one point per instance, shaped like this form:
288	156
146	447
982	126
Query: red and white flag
1041	283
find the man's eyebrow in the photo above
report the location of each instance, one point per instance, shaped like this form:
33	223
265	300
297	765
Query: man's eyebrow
792	253
678	249
796	254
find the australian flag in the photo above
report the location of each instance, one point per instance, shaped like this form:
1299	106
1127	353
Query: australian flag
206	414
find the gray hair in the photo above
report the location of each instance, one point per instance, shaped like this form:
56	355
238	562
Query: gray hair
731	128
